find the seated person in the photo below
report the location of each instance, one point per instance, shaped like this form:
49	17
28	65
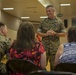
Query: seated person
67	51
4	47
25	47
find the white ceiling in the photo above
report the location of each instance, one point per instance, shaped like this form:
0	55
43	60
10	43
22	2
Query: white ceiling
35	9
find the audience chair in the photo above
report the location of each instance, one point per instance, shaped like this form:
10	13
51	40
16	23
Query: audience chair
41	72
20	66
66	67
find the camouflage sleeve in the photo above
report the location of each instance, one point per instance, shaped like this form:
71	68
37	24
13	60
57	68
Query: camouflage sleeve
1	53
40	27
62	27
2	49
6	48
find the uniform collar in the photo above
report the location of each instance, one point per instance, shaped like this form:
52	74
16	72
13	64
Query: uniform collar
2	38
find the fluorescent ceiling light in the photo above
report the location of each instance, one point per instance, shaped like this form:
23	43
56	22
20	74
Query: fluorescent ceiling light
25	17
64	4
8	8
43	16
44	2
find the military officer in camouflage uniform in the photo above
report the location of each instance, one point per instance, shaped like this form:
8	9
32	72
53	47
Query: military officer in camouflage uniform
4	42
4	48
50	29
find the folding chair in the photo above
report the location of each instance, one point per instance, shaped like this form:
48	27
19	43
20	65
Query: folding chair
20	66
66	67
41	72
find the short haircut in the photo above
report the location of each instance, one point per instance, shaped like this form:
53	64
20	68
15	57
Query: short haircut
2	24
50	6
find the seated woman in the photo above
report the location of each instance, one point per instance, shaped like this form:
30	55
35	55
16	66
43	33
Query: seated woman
67	51
25	47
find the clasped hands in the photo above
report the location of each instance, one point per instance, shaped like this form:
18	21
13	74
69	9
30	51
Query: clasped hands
51	32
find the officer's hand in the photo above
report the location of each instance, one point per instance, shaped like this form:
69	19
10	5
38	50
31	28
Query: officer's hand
51	32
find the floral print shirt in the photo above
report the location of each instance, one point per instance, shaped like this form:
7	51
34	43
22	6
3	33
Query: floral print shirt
33	55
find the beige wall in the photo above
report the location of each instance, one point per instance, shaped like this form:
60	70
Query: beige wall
11	21
12	34
0	15
64	39
0	9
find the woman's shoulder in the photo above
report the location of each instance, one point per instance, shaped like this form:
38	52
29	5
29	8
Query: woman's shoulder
69	44
40	47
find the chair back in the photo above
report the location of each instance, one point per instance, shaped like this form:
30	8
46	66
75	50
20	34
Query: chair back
41	72
67	67
20	66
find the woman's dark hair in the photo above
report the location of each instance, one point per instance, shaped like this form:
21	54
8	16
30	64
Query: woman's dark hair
72	34
25	36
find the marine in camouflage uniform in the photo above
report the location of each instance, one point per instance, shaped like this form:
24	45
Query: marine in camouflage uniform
4	48
51	42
